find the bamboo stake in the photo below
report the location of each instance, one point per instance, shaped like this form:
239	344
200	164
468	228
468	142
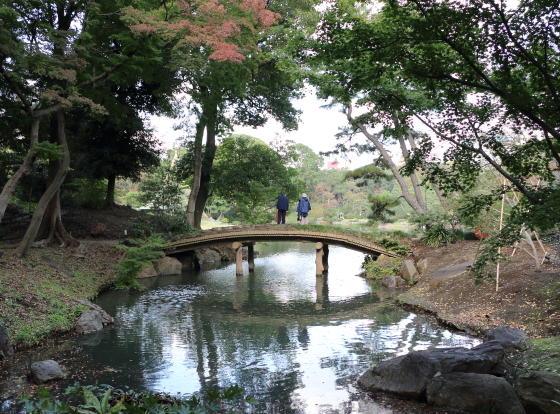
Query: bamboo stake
501	222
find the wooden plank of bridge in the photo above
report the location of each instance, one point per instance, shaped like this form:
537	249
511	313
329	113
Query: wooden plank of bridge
251	256
318	259
325	257
238	247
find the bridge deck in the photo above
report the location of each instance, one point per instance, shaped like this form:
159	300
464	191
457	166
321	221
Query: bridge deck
247	234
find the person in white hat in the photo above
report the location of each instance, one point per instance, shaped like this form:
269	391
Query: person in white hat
302	210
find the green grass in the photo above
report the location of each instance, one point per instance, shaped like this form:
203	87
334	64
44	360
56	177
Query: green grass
543	355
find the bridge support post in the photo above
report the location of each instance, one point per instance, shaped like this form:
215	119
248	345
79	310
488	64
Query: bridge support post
318	259
251	256
325	258
238	247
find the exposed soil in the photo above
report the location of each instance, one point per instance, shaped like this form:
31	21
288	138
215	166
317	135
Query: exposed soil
524	299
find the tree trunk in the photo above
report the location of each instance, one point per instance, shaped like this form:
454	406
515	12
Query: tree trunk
205	176
110	196
191	206
412	202
52	220
12	183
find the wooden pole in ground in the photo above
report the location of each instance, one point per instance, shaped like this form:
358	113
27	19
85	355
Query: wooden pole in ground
501	222
318	259
325	257
238	247
251	256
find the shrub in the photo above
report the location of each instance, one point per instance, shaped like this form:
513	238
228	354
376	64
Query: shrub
136	258
172	223
378	271
435	234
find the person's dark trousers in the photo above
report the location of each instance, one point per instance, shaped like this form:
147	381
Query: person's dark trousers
281	216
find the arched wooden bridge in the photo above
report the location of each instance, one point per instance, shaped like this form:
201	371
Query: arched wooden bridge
248	235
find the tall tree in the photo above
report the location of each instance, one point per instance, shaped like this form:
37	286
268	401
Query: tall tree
52	52
470	71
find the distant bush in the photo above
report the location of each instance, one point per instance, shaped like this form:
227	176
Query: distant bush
171	223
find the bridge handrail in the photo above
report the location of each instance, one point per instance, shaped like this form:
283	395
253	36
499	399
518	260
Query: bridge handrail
232	234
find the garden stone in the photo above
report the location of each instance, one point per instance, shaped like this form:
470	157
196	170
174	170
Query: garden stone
168	266
148	271
539	392
408	270
474	393
106	318
392	281
408	375
510	338
6	349
90	321
45	371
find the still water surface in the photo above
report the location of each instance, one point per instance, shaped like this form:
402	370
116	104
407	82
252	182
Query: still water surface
295	341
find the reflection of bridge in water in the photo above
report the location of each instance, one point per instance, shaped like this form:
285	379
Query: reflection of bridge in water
240	236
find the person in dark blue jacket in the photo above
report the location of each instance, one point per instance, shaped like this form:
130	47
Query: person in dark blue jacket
303	208
282	205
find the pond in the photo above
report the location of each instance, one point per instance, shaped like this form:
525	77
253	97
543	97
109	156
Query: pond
294	341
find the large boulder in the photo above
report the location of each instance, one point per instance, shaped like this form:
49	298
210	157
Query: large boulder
168	266
91	321
148	271
539	392
46	371
474	393
210	256
392	281
5	344
408	375
106	318
511	338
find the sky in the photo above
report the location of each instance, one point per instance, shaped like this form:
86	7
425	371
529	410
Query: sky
317	130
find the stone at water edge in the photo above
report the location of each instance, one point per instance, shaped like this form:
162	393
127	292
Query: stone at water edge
510	338
148	271
168	266
46	371
474	393
408	270
91	321
539	392
408	375
6	349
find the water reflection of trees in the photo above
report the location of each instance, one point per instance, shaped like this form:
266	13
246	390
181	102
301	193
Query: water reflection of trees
246	336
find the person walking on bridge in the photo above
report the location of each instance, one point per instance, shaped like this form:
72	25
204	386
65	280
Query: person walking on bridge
303	208
282	205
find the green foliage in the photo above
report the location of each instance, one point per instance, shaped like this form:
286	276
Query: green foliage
48	151
105	399
83	192
171	223
161	189
437	233
250	175
136	258
378	271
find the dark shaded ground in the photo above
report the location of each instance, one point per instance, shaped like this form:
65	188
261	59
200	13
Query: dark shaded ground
78	222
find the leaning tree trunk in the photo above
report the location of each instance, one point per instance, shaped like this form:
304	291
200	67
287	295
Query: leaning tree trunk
412	202
53	218
12	183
